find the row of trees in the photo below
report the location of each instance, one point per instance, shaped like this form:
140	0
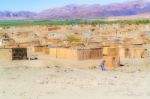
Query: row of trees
69	22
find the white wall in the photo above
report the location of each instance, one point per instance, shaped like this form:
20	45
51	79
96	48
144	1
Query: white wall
1	41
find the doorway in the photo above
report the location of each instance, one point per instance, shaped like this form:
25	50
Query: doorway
19	54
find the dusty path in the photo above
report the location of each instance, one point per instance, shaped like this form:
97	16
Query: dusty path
49	78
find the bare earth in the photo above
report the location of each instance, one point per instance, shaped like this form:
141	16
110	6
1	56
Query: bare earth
59	79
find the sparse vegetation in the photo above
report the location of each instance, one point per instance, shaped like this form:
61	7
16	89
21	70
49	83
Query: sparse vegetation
68	22
72	39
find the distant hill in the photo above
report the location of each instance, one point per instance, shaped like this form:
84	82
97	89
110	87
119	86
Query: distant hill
132	17
84	11
16	15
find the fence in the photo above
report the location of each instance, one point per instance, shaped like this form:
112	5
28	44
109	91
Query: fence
68	53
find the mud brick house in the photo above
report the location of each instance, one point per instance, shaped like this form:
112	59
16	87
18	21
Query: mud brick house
10	54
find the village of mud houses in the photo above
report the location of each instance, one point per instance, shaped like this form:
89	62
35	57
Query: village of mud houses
41	61
75	49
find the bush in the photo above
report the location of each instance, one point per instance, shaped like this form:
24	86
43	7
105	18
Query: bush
72	39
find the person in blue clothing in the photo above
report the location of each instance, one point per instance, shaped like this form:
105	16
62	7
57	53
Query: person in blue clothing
102	65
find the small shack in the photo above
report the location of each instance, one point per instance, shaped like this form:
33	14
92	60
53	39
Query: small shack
111	57
133	52
9	54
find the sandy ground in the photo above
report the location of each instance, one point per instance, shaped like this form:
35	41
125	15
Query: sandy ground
60	79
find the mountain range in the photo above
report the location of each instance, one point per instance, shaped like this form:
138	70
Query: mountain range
73	11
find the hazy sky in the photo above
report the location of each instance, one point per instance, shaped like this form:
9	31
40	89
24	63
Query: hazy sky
39	5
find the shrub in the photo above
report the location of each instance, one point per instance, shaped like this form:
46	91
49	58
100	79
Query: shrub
72	39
